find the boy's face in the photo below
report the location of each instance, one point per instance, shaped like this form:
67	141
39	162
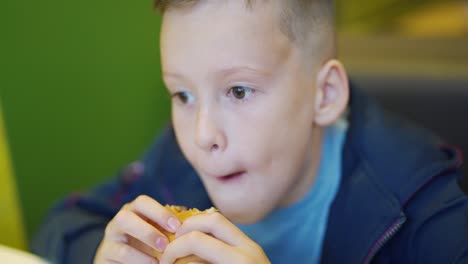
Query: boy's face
243	105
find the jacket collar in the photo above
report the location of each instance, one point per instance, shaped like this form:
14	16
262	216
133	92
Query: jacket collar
386	161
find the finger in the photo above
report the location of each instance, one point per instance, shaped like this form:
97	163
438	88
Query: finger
154	211
127	223
135	243
201	245
123	253
215	224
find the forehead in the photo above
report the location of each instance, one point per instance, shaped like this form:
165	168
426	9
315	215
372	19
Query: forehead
219	34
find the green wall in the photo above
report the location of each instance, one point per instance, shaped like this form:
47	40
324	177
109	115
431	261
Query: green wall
81	91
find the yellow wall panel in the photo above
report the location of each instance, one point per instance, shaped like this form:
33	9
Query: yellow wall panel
11	226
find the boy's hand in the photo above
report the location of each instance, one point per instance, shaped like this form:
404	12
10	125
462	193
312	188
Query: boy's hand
215	239
131	236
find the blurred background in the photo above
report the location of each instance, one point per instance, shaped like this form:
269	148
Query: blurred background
81	93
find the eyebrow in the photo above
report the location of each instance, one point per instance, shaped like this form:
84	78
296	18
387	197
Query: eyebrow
172	74
232	70
224	72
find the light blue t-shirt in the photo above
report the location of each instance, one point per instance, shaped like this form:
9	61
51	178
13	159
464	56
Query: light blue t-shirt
295	234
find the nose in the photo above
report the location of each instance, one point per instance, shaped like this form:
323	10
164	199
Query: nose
209	136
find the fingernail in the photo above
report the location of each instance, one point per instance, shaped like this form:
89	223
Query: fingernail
173	224
161	244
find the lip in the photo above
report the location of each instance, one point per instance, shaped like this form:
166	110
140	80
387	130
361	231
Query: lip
232	177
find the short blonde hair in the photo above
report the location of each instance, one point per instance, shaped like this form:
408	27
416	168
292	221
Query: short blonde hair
298	19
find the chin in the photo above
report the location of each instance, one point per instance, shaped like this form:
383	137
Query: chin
241	214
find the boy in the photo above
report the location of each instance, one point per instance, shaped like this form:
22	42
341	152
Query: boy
262	130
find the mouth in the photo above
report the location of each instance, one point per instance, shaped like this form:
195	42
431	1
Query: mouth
230	178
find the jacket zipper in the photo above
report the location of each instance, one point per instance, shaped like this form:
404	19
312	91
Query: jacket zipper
387	235
395	227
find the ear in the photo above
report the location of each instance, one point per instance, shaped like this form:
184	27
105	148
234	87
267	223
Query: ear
332	96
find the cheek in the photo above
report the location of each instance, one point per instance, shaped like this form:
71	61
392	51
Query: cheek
280	132
183	127
285	118
261	138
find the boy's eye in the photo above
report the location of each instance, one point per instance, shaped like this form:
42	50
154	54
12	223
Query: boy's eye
183	97
240	92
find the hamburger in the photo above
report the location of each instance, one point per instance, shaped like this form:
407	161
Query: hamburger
182	213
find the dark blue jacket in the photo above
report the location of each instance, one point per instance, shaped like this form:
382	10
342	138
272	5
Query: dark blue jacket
399	199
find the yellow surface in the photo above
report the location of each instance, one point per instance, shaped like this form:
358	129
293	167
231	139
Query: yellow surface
11	226
437	20
14	256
